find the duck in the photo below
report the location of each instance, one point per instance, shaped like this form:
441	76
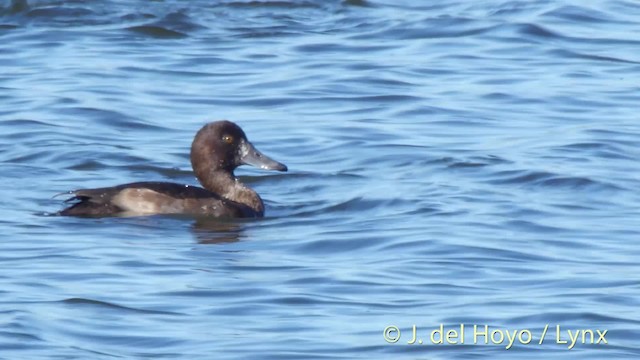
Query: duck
218	148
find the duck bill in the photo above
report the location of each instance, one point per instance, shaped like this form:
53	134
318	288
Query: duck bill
249	155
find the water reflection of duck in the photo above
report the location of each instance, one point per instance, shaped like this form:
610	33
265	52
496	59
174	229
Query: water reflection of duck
217	149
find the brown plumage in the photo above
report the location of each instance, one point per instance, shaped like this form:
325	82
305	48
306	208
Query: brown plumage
217	149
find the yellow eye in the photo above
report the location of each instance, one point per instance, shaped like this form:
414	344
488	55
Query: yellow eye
228	139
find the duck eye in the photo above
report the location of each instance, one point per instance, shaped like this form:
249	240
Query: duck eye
228	139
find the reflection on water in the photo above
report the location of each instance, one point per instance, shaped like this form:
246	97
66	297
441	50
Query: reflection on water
216	231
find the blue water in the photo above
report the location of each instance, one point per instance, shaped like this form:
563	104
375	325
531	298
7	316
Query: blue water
460	162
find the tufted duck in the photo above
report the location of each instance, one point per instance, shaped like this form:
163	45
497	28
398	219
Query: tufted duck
218	148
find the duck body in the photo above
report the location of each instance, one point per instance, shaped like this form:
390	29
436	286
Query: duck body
149	198
218	148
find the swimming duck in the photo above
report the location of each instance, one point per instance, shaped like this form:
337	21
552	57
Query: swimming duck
217	150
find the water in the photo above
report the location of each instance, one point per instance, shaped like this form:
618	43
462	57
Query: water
460	163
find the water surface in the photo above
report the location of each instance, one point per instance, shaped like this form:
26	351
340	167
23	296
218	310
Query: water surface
460	163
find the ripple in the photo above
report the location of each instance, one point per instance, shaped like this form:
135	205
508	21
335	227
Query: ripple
429	28
271	4
473	162
564	317
157	32
79	302
59	13
578	14
536	31
320	48
596	149
112	118
549	179
17	6
577	55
